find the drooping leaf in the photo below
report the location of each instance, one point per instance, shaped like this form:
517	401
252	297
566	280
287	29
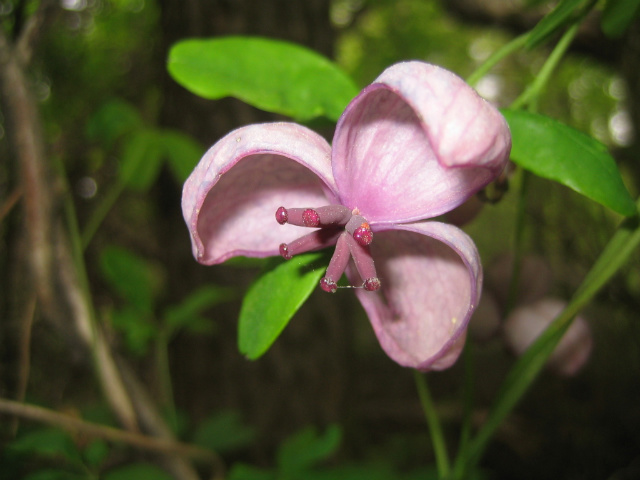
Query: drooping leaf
182	153
142	158
559	17
272	300
136	327
306	448
618	15
135	279
47	442
224	432
272	75
553	150
111	121
187	314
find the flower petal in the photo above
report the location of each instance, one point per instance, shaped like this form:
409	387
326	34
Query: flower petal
416	143
231	211
431	280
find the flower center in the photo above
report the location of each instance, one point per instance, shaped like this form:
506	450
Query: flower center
337	225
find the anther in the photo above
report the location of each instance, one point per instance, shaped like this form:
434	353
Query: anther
363	234
328	286
284	251
310	218
314	241
282	216
372	284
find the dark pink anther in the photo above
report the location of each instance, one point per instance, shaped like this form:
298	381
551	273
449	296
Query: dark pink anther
372	284
363	234
328	286
310	218
282	215
284	251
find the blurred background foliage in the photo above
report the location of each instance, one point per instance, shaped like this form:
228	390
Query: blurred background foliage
128	136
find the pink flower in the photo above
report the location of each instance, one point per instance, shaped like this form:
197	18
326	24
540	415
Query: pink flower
413	145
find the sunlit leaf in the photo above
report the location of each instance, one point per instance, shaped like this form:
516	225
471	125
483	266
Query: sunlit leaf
618	15
272	300
306	448
553	150
272	75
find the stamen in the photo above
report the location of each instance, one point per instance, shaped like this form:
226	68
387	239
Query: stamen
314	241
310	218
327	216
364	264
337	265
360	229
282	216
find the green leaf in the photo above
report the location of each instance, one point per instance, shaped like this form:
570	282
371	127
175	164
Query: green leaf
618	15
272	300
138	471
559	17
112	120
272	75
182	153
135	279
224	432
56	474
96	452
137	328
47	442
187	313
553	150
306	448
141	159
240	471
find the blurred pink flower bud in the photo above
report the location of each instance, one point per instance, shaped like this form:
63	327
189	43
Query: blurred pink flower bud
526	323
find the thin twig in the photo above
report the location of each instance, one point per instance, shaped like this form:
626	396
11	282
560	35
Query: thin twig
138	440
10	202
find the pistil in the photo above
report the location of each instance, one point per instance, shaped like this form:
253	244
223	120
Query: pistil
337	225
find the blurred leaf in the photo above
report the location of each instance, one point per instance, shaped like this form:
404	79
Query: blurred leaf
57	474
559	17
182	153
137	329
112	120
306	448
240	471
132	277
618	15
224	432
272	300
141	159
47	442
96	452
187	313
272	75
358	472
553	150
138	471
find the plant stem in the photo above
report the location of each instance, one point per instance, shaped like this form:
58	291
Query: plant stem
435	429
524	372
530	95
495	58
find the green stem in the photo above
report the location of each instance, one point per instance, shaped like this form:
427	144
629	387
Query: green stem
622	244
533	91
435	429
518	241
506	50
101	212
468	398
163	371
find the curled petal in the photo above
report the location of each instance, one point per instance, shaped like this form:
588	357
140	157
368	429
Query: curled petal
417	143
431	279
230	199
